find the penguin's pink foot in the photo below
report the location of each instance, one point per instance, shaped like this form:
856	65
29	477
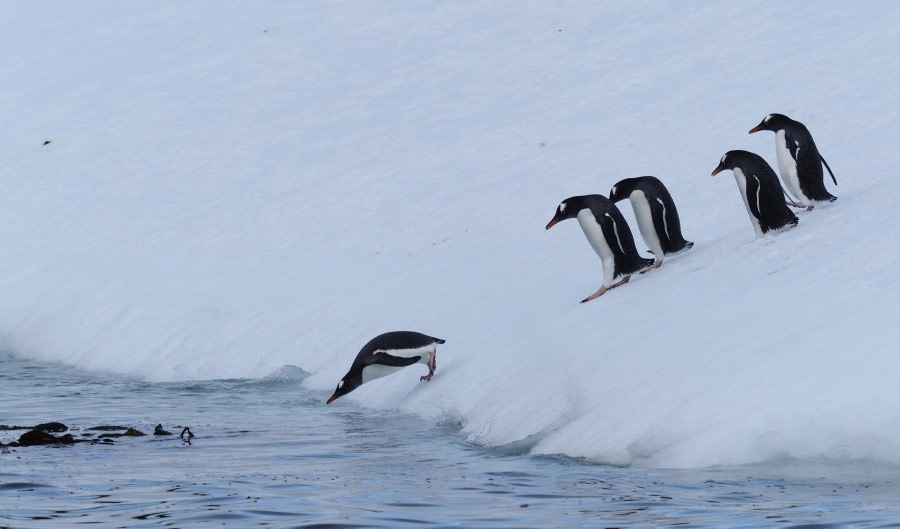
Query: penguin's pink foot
432	365
595	295
656	264
603	289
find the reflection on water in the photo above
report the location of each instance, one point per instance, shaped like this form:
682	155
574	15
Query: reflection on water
269	453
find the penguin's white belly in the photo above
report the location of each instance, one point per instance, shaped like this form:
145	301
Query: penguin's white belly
595	237
644	217
742	185
371	372
788	168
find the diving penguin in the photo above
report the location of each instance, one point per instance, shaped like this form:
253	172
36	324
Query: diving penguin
799	161
656	215
387	353
760	190
609	235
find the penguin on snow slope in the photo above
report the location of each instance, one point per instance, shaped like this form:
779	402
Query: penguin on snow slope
387	353
760	190
799	161
609	235
656	215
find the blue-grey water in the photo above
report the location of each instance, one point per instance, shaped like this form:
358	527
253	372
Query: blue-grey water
269	453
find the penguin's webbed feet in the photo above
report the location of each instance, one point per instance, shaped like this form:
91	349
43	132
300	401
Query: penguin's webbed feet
604	288
656	264
595	295
798	205
432	366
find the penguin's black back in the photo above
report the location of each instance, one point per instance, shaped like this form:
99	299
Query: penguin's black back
617	234
665	214
772	211
391	341
809	161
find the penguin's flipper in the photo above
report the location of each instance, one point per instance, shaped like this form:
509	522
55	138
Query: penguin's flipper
661	224
753	189
793	145
620	240
829	168
383	358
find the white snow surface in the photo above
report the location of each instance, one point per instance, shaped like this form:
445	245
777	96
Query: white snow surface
234	187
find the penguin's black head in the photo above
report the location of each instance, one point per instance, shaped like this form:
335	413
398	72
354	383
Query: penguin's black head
773	122
728	161
622	189
736	158
616	193
346	385
565	210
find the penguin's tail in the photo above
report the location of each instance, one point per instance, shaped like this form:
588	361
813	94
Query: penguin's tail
829	169
439	341
682	246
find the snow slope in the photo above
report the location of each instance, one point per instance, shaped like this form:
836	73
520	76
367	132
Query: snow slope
230	188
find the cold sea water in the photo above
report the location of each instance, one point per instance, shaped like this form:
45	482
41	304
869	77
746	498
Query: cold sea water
269	453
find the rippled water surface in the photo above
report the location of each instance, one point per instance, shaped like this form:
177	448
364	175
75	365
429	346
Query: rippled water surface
268	453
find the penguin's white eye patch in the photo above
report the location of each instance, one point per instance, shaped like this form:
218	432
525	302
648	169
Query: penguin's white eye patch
613	190
562	207
768	118
340	384
722	161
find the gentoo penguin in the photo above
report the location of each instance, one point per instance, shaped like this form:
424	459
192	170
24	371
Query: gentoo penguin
609	235
656	215
799	160
760	190
387	353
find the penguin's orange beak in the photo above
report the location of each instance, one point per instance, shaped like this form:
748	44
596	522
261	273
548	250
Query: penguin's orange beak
556	218
718	169
756	128
332	398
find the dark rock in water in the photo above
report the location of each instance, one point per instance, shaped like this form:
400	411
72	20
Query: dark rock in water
51	427
106	428
37	437
160	431
186	435
44	427
130	432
